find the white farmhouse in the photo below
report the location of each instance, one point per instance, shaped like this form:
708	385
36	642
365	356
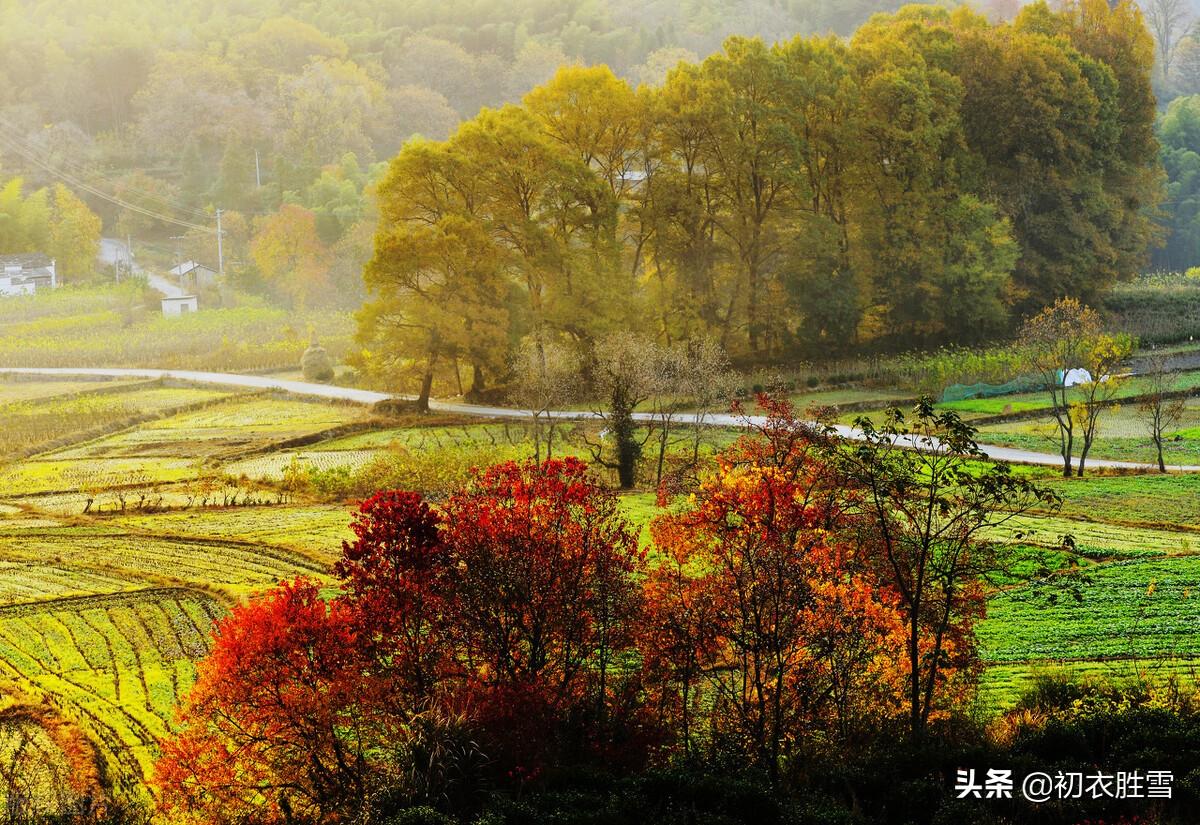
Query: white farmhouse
25	274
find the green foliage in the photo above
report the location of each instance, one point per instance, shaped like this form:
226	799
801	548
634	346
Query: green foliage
433	471
53	222
1156	309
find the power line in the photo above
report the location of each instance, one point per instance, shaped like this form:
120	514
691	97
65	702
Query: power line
87	187
85	171
80	169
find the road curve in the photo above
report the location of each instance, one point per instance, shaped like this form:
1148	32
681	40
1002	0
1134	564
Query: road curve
357	396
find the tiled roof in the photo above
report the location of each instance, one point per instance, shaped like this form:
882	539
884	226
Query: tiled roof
26	260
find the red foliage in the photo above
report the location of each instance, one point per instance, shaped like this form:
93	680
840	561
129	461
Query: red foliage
394	573
275	721
544	598
510	610
760	613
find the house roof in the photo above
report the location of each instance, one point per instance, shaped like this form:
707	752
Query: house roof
187	267
26	260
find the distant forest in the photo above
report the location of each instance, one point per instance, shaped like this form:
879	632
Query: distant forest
285	113
172	101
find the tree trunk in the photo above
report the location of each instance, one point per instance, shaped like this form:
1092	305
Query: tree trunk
662	452
628	450
752	309
916	728
426	387
478	382
1162	465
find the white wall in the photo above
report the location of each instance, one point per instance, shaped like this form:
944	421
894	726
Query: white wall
172	307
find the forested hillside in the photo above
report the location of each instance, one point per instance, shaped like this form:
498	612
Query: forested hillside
282	113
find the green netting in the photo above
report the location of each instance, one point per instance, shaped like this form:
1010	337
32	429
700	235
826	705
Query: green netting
961	392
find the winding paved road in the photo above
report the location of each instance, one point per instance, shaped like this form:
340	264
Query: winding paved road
356	396
113	251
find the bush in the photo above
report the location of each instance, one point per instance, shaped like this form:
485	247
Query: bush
316	363
433	471
423	815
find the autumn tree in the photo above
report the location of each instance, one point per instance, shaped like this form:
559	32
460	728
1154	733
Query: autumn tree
290	255
1162	405
1065	338
623	373
547	379
689	382
766	625
1102	360
926	506
436	272
275	722
1168	21
395	576
544	601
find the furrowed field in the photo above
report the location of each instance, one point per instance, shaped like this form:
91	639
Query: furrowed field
134	514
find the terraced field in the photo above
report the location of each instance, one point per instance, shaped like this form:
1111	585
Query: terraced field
238	425
118	550
114	664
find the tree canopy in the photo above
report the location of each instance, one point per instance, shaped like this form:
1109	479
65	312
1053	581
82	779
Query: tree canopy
936	178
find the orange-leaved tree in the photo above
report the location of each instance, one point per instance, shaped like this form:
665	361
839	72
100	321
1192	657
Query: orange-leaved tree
928	504
277	723
762	613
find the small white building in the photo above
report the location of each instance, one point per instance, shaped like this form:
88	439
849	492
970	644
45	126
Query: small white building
179	305
27	273
192	275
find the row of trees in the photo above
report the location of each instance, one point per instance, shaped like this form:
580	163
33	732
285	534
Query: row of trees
889	191
814	597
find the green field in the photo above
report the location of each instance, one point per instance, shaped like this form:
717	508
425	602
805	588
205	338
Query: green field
118	550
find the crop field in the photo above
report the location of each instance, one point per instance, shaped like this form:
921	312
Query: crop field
1002	685
13	390
84	327
1142	499
41	421
119	549
115	664
314	529
272	465
1096	539
238	425
1020	402
53	475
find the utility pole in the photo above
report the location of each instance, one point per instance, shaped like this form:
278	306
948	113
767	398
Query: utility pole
220	247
